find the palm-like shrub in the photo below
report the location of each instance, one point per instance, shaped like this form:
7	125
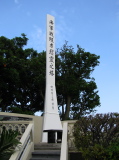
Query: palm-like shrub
97	137
8	142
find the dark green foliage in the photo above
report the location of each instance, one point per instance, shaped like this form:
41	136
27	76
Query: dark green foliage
97	137
20	111
22	76
8	142
77	90
23	73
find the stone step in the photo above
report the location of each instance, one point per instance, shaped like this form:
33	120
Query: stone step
46	151
47	146
55	155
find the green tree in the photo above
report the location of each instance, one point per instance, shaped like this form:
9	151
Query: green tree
8	73
31	89
22	76
76	89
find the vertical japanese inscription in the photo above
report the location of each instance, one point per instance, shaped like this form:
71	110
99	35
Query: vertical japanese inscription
51	57
51	47
52	97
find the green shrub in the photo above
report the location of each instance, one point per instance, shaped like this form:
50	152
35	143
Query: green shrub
97	137
8	142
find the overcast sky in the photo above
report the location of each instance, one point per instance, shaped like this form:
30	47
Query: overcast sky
92	24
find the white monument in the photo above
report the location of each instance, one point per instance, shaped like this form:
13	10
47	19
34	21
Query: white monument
52	121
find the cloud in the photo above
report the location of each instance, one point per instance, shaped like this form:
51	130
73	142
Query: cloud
16	1
62	30
37	39
19	5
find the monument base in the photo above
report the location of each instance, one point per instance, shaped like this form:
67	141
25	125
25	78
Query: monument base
54	136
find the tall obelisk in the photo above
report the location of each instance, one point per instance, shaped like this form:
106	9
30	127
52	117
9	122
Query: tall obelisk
51	116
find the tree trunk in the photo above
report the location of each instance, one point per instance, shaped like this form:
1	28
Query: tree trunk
66	116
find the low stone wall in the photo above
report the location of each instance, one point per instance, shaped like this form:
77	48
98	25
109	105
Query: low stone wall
22	118
38	125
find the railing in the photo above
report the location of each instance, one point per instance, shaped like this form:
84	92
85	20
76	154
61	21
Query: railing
70	130
26	136
27	145
67	139
19	126
64	145
27	126
20	122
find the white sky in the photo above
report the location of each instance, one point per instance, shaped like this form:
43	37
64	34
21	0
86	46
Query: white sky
93	24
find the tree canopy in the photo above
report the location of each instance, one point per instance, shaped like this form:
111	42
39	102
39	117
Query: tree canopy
23	72
77	90
22	76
